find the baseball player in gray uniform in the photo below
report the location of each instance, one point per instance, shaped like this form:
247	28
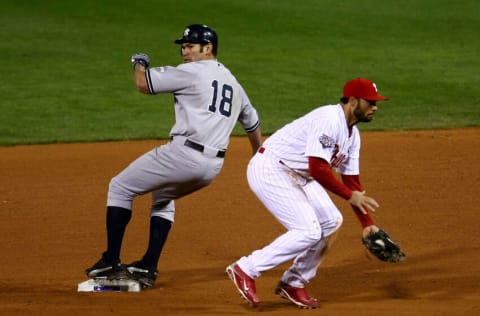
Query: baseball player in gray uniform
208	103
291	173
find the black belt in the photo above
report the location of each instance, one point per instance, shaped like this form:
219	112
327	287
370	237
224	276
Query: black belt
201	148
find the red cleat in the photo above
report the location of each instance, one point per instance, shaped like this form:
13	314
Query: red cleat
296	295
244	284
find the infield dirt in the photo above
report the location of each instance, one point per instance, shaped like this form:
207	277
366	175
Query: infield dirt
52	202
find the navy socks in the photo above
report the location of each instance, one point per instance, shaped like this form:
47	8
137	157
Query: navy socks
159	229
117	220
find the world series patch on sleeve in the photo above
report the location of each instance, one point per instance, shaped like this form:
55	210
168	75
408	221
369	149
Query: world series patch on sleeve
383	247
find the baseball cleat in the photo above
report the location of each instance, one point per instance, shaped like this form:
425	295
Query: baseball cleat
244	284
296	295
106	269
145	275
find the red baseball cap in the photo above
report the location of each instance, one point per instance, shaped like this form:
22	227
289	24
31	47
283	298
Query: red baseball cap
362	88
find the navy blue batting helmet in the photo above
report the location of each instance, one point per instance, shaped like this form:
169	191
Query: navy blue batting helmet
199	34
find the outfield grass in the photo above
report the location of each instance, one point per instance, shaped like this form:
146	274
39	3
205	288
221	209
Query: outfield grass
66	74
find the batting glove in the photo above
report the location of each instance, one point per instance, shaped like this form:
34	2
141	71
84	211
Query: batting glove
141	59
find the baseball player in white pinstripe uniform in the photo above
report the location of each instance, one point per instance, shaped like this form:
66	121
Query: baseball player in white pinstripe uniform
208	103
291	174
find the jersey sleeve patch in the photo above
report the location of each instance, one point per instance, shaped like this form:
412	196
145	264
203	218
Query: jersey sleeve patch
326	141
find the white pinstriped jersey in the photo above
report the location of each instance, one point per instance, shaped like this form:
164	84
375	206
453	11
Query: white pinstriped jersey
303	207
321	133
208	101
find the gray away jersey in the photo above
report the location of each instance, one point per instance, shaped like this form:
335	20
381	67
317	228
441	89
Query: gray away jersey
208	101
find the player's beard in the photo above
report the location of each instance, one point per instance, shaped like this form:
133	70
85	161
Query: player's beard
361	117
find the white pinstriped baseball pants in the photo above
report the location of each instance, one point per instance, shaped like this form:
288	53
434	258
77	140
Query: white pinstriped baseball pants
305	210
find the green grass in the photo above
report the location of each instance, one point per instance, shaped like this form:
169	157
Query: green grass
66	74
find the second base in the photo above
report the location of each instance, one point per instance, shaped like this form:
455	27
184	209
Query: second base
104	285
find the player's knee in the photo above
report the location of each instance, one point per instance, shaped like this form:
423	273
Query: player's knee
338	222
333	225
118	188
313	235
113	185
118	195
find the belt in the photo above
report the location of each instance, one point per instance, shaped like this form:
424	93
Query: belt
201	148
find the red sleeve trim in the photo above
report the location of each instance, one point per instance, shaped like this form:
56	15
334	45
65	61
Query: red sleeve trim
353	182
320	170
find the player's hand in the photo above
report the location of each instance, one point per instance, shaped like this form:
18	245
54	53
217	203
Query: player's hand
370	230
363	202
142	59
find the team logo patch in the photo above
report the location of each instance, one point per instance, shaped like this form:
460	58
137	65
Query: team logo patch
326	141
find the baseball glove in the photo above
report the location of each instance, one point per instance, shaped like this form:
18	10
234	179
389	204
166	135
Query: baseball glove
383	247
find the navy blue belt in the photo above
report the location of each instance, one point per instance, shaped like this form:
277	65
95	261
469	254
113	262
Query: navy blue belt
201	148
